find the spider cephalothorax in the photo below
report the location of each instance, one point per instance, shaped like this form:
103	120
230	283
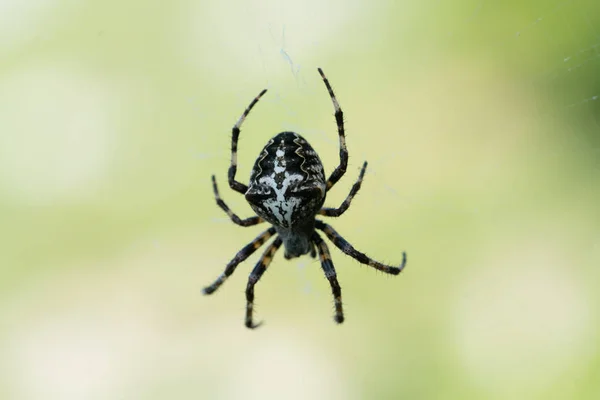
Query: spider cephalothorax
287	189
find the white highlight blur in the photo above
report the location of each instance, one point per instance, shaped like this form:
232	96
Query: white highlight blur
522	320
56	132
26	21
128	328
251	36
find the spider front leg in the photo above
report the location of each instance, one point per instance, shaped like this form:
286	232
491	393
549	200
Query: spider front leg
237	220
235	134
347	248
327	265
336	212
255	275
239	257
339	119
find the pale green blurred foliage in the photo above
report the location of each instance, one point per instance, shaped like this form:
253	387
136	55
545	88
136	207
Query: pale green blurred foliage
480	125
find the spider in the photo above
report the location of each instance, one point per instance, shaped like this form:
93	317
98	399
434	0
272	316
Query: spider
287	189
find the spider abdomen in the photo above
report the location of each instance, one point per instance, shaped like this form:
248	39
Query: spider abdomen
287	183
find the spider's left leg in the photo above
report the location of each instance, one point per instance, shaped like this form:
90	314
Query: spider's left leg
347	248
339	171
255	275
331	276
237	220
336	212
235	134
239	257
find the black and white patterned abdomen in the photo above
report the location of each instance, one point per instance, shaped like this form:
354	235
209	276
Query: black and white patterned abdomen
287	183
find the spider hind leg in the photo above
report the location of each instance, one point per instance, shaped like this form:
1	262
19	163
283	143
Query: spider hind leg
362	258
244	253
330	274
254	277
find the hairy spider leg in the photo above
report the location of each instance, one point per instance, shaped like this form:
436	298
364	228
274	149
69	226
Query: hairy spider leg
239	257
313	252
251	221
336	212
254	277
327	265
347	248
235	134
340	170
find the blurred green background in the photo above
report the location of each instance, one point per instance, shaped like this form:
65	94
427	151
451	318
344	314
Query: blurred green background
480	124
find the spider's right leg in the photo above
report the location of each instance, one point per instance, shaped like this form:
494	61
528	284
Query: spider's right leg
255	275
235	134
336	212
339	171
239	257
237	220
331	276
313	251
362	258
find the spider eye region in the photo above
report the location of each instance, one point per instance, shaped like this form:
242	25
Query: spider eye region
287	183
